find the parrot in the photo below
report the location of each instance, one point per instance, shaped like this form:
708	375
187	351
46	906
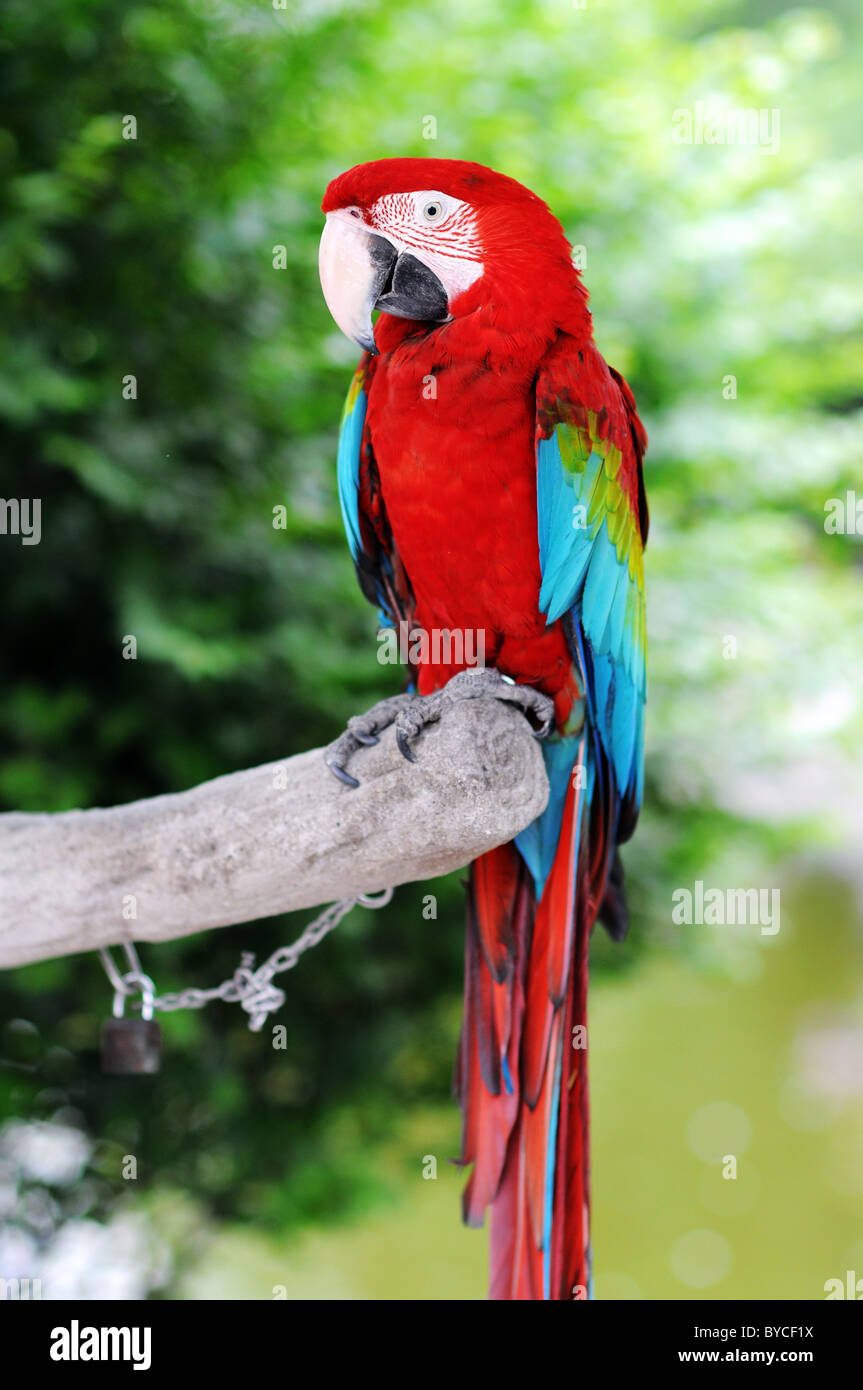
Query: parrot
490	480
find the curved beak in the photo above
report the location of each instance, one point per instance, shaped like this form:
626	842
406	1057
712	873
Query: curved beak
361	271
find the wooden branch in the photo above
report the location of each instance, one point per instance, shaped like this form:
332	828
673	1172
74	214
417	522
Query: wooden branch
274	838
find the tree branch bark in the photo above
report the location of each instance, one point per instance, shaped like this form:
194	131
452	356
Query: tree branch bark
268	840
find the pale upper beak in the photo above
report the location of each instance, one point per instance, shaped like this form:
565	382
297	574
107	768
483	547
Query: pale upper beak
362	271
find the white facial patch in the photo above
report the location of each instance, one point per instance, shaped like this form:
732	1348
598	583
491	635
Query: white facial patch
439	230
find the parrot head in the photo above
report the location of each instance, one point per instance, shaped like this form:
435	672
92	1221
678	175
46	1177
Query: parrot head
431	240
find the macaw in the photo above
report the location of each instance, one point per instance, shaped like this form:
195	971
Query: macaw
490	480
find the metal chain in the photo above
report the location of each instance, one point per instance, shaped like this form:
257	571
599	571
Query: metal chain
252	988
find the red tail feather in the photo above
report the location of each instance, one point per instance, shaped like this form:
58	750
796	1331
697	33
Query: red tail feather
526	1109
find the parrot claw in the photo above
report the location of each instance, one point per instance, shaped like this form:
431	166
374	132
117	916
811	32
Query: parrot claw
404	747
364	731
343	776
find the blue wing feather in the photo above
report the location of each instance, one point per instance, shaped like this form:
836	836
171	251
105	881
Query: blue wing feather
348	465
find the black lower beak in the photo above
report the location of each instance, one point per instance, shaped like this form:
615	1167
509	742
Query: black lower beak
404	286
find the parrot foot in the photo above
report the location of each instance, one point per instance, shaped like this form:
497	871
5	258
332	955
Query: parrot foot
410	714
363	730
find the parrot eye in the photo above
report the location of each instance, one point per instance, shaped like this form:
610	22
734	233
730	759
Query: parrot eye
433	211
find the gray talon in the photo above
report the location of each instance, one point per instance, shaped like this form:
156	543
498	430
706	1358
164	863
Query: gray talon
363	731
343	776
404	747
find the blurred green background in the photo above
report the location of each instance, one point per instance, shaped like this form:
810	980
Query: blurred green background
726	285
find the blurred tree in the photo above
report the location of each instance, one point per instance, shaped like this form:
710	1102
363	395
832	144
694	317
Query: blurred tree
155	258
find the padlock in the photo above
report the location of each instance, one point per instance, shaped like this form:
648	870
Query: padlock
132	1046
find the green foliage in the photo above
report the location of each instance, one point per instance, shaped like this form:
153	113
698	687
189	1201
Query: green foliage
153	258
